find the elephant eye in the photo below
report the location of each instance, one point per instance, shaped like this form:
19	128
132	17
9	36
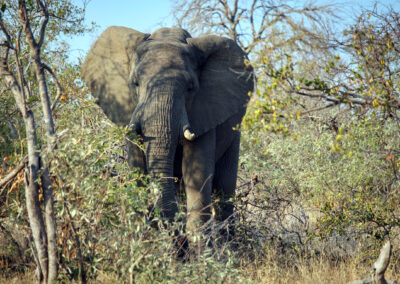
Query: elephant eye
190	86
134	82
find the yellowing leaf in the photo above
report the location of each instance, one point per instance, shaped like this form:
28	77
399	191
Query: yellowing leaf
375	103
389	157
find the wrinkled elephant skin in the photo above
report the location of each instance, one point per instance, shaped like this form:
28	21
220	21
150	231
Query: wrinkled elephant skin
184	96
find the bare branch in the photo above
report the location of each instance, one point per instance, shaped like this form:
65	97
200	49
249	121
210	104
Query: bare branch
320	108
20	71
5	180
26	24
59	87
235	8
251	19
5	32
247	22
10	79
45	20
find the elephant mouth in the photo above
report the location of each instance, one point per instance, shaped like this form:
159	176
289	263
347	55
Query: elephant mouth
154	130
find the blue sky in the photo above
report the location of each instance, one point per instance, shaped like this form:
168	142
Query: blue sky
148	15
141	15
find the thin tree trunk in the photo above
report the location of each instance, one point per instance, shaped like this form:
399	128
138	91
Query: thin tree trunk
44	94
50	225
31	173
32	196
43	231
46	182
35	47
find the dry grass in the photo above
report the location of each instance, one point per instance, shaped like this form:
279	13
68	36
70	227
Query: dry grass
269	270
316	270
312	271
28	277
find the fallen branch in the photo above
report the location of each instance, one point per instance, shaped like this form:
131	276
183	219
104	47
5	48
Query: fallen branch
379	268
5	180
12	174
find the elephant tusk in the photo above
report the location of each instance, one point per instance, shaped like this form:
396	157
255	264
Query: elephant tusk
132	130
132	127
189	135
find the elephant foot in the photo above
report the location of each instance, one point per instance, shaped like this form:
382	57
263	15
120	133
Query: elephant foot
200	243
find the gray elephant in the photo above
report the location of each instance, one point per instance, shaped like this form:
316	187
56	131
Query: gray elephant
184	96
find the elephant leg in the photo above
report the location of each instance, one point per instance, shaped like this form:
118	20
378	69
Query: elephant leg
197	168
225	181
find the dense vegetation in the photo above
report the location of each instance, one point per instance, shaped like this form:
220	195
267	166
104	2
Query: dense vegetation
319	182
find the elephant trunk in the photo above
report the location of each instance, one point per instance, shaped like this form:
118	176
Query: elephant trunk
160	164
134	125
160	125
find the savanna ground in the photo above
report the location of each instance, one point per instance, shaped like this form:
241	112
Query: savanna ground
318	189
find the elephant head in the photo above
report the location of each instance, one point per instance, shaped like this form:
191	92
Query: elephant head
170	87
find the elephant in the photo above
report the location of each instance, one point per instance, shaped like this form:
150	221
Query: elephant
185	96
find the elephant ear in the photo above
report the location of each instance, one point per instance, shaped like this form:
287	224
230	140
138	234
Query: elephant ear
106	71
226	78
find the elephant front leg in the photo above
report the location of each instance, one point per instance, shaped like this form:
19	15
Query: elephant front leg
224	185
198	169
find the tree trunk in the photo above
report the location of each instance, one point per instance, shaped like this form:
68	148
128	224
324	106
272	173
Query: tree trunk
32	197
46	182
44	236
31	174
50	225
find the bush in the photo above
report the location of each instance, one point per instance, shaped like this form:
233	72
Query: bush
345	177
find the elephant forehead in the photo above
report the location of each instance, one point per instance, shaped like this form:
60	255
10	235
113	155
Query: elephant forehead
161	55
177	34
160	49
